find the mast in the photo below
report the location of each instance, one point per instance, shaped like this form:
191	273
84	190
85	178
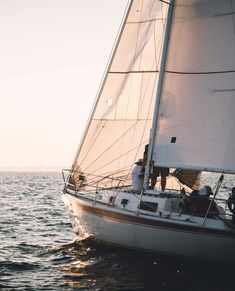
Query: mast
159	92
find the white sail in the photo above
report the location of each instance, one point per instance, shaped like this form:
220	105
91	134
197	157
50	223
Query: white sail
196	120
121	120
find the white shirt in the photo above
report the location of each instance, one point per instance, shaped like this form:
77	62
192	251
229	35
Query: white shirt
137	178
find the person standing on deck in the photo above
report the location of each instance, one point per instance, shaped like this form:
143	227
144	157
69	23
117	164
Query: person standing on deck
156	172
137	176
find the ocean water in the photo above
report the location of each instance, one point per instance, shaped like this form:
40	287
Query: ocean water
38	250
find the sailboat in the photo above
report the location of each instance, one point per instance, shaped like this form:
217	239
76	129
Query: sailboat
169	84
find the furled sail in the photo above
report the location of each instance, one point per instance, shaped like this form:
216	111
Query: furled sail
119	125
190	178
196	117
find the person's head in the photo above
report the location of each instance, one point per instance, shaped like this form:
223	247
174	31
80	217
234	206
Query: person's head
206	191
233	190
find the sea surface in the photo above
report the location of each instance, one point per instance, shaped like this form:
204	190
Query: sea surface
38	250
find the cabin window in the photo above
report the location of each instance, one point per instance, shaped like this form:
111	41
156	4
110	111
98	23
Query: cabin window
148	206
124	202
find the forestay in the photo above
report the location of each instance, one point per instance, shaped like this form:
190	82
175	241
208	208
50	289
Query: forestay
122	116
196	118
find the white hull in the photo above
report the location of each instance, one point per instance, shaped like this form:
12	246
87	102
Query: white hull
179	236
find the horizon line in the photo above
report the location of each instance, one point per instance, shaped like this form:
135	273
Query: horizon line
32	168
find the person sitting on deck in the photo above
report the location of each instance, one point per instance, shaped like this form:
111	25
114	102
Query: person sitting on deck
198	203
137	176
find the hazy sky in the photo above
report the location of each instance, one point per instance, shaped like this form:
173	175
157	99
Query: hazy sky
52	57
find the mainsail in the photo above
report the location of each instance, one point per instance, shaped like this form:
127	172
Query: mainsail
120	123
196	117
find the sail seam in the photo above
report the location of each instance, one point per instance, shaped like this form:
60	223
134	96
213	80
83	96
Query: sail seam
113	160
145	21
200	73
224	14
119	119
174	72
134	72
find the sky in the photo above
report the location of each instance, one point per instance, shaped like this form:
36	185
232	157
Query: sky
53	54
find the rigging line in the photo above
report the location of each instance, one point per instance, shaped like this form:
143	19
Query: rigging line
105	150
98	136
199	73
145	126
101	183
140	105
136	53
105	121
149	107
121	156
143	100
120	170
118	139
155	62
139	53
144	130
109	176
